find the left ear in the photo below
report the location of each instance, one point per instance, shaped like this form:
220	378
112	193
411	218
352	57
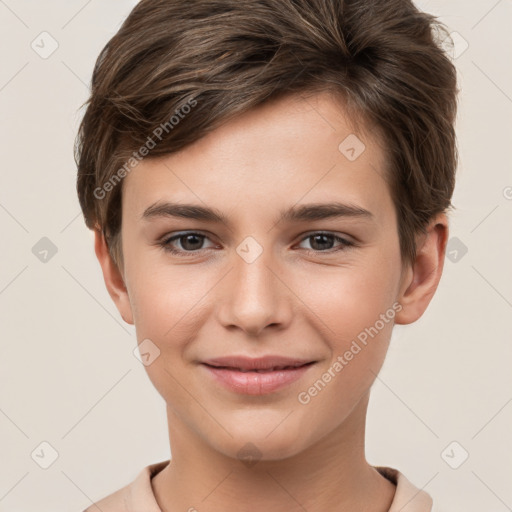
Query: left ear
421	277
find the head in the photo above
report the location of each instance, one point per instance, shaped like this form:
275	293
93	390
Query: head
259	117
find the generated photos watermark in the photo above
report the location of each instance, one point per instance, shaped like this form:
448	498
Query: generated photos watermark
304	397
144	150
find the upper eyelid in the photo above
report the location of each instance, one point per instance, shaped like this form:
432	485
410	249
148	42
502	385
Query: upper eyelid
177	235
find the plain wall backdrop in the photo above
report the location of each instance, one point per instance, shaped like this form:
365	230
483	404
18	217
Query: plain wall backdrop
68	375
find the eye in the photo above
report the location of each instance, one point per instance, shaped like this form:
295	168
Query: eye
190	242
323	242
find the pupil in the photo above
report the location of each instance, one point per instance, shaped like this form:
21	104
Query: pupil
323	239
187	238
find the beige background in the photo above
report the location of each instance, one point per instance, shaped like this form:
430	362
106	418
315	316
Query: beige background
68	374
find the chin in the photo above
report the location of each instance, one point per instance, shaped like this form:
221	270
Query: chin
266	443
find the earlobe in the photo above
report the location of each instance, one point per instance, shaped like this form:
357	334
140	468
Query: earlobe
423	276
113	278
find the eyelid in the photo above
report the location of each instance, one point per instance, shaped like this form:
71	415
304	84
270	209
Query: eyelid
178	234
347	238
170	237
345	242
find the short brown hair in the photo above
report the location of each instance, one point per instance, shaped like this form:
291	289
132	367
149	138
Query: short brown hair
204	61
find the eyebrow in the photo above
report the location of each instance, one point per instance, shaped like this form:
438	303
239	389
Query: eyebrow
307	212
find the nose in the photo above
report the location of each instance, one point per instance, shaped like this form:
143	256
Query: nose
253	297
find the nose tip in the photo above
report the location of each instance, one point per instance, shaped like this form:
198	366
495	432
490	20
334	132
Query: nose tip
254	299
255	329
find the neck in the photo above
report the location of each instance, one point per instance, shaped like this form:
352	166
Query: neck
331	474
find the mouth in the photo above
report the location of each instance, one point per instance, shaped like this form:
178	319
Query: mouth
267	378
261	370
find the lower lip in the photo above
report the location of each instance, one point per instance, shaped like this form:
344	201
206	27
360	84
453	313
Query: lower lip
255	383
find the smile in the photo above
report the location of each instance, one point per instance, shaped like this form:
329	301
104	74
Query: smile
256	381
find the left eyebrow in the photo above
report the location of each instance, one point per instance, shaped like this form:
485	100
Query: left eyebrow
321	211
302	213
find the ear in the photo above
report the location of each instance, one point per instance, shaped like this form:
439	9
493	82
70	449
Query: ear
421	278
113	278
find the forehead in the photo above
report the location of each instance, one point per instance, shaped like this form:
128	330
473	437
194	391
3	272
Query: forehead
286	150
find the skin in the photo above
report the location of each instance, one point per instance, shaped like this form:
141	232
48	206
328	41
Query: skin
289	301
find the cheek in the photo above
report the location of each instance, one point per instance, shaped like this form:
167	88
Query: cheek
358	349
167	297
346	300
354	310
168	306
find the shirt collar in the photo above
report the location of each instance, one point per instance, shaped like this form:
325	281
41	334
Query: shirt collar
408	498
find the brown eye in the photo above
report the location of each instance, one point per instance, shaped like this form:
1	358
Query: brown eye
191	242
323	242
184	243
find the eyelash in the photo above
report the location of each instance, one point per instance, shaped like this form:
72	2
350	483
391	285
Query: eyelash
345	244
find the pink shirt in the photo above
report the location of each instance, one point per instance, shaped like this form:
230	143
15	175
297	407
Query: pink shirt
138	496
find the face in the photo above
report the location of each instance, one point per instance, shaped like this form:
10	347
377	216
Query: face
290	249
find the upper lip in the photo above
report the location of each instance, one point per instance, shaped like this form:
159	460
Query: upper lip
260	363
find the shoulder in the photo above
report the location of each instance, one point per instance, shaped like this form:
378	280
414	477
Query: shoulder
115	502
137	495
408	497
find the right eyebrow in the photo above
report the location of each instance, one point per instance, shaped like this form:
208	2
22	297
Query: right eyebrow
185	211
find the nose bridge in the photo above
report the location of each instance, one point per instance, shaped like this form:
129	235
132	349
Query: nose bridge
255	298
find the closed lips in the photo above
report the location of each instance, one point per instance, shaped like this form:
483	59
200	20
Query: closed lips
262	375
262	370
